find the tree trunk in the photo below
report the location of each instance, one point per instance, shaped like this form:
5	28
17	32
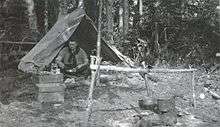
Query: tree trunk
120	16
31	14
92	9
52	12
65	7
218	12
140	7
157	37
110	21
40	11
125	19
62	9
136	16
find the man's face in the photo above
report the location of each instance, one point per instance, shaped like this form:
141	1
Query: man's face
73	45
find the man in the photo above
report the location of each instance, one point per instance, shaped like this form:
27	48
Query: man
73	60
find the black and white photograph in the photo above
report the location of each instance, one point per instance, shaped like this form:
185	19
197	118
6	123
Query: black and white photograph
109	63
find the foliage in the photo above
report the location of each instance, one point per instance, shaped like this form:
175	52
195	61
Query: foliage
186	30
14	20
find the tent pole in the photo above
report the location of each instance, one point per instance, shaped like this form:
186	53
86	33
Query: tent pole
91	89
99	30
99	37
95	74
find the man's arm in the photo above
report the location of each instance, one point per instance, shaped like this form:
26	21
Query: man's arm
85	60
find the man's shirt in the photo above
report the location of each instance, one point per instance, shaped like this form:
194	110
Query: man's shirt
71	60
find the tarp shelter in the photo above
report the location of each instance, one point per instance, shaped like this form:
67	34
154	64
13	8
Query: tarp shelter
75	25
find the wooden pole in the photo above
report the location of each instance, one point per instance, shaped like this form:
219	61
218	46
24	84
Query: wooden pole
99	30
99	37
146	81
95	76
193	89
91	89
19	42
147	86
140	70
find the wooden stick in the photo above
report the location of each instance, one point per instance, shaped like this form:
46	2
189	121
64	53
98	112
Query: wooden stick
140	70
193	86
147	86
99	29
91	89
98	52
145	80
19	42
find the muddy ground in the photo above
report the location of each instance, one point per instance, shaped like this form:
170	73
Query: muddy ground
112	99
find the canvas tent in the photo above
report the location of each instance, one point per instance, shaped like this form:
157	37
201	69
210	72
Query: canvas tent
75	25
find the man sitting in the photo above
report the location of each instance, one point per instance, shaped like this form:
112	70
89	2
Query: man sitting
73	60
